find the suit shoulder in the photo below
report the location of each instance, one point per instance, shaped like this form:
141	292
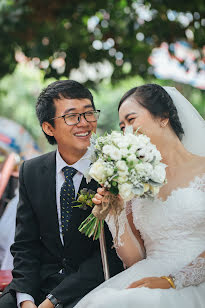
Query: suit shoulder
40	160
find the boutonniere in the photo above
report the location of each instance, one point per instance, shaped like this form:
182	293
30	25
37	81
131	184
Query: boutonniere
85	199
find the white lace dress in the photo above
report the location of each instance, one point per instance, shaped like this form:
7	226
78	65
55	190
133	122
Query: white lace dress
174	235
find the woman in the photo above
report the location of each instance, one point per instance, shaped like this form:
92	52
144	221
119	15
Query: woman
172	226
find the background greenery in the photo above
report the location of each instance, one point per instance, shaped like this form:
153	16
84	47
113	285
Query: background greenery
92	31
20	90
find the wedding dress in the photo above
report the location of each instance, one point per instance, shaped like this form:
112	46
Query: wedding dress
173	232
174	235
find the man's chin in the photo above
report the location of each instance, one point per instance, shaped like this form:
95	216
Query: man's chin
82	149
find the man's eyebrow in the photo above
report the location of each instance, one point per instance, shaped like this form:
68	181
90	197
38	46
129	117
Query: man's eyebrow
68	110
88	106
73	109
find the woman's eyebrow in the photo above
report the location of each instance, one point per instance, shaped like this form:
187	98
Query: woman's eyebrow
129	114
127	117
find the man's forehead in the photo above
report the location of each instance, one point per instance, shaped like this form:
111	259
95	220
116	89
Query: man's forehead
73	102
64	106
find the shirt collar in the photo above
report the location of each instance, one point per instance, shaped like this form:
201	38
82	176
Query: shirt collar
81	165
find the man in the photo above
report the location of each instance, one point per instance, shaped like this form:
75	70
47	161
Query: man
54	264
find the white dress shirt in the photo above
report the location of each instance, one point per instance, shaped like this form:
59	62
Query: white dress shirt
81	166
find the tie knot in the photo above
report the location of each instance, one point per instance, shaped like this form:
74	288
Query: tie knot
69	172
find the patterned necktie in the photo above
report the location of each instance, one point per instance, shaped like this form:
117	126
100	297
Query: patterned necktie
67	197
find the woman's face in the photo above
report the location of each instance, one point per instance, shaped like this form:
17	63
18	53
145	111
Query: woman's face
132	113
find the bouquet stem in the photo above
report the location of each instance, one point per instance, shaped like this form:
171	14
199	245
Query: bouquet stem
90	227
104	252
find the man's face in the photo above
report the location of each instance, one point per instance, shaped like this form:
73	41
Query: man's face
74	138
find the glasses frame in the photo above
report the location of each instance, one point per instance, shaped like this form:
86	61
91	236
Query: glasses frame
79	117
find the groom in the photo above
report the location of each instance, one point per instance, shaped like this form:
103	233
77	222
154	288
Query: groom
54	264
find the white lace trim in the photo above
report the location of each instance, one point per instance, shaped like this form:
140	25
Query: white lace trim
191	275
198	183
122	220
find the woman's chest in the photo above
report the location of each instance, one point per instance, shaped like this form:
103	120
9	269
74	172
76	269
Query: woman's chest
184	210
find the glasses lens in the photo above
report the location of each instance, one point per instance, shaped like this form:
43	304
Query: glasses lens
74	118
92	116
71	119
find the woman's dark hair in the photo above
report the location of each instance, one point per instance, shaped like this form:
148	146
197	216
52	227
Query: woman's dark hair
155	99
45	107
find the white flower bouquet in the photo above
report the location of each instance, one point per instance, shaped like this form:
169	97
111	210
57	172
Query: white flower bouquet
127	165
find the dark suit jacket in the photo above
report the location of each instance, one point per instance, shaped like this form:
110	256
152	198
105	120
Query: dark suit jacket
38	252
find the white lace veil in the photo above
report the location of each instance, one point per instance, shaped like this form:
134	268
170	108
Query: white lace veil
193	124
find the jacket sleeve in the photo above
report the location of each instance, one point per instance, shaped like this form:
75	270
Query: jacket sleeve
26	247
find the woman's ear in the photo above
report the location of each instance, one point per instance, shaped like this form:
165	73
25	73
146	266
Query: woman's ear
47	128
164	122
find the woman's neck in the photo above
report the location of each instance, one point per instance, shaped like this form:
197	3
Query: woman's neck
173	153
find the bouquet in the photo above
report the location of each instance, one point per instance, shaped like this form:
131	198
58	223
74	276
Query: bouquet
126	165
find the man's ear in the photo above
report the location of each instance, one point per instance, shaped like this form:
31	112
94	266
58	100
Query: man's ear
47	128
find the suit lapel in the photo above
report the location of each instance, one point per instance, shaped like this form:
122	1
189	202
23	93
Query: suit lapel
50	197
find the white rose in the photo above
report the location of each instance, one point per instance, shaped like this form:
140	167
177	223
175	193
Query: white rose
123	143
107	149
133	149
148	157
148	168
158	156
132	157
144	170
125	191
121	166
143	139
132	139
109	171
159	174
116	140
115	154
115	134
124	152
97	172
112	151
122	179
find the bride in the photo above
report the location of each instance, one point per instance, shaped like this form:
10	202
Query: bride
161	241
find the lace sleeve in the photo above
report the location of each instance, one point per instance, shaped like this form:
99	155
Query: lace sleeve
129	247
192	274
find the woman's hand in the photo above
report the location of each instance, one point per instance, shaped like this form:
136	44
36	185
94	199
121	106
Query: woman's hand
151	282
98	197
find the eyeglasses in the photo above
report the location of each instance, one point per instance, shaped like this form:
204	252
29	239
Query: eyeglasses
74	118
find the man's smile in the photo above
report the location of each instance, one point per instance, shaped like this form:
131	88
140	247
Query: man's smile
83	134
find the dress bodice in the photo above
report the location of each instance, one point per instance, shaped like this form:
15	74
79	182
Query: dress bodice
174	235
175	226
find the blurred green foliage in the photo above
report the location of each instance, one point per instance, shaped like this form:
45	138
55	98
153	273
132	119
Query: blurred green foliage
123	32
19	92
